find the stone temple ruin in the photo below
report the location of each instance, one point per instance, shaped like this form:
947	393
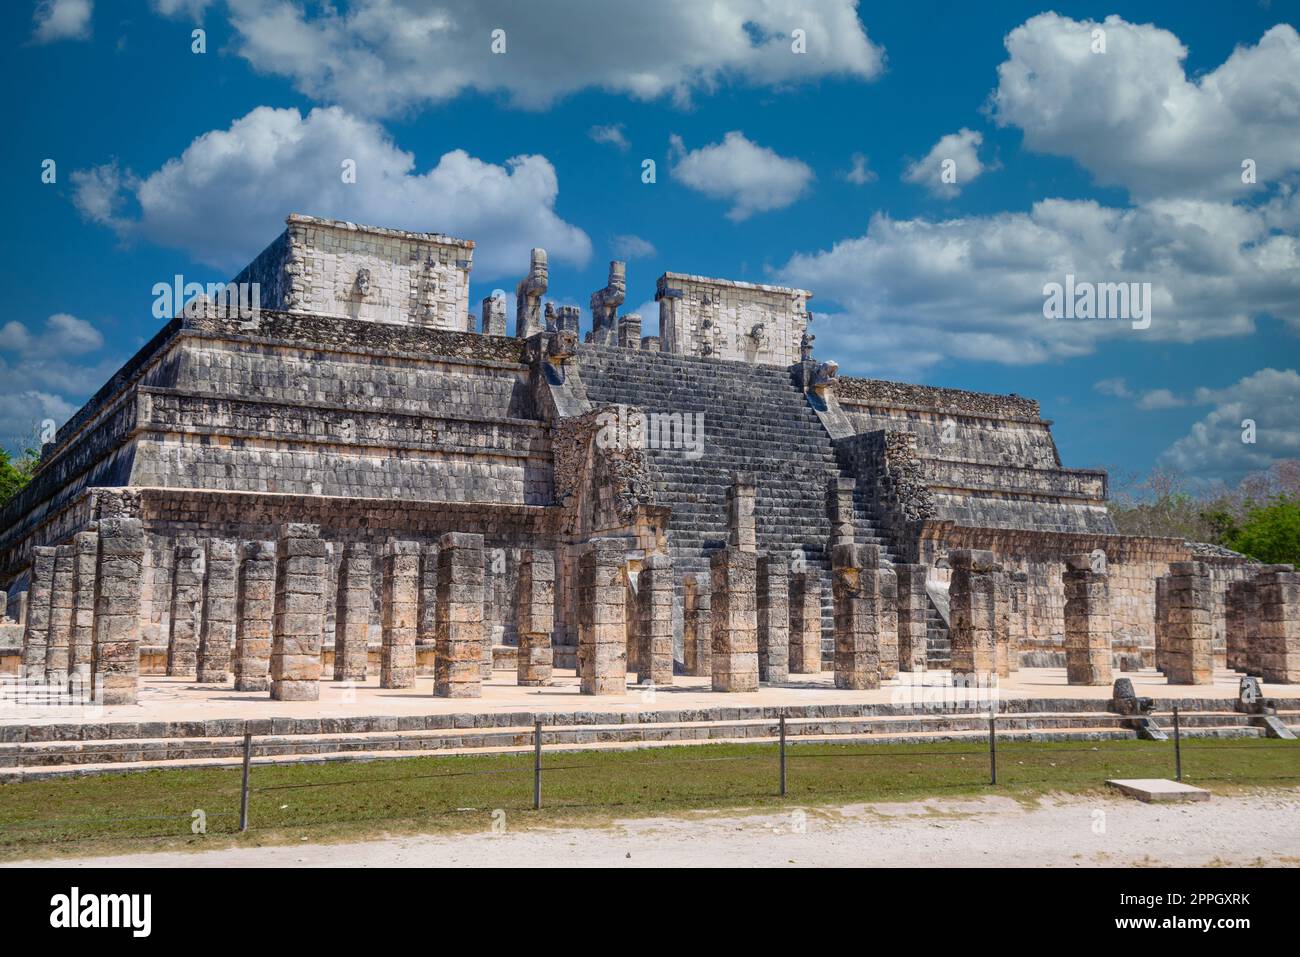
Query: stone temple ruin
365	481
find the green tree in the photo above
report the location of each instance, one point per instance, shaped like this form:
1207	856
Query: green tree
1270	533
14	474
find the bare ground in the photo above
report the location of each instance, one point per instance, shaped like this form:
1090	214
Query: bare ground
1259	828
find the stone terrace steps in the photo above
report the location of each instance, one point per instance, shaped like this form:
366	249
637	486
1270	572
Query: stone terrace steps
33	759
755	420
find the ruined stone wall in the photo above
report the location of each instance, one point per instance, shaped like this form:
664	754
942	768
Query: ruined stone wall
722	319
332	268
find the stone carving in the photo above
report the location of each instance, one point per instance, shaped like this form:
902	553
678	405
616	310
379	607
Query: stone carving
536	617
528	296
361	285
605	303
806	347
256	613
735	619
1087	621
299	612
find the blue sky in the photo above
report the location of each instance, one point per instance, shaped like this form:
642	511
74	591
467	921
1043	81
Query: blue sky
1122	165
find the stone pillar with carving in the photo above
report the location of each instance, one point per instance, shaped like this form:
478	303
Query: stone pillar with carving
857	617
629	331
1188	658
494	315
602	619
697	627
1019	637
120	573
805	623
1241	622
255	616
352	619
605	303
1001	621
912	628
187	607
971	612
654	620
1088	630
458	668
528	296
81	650
1279	624
220	594
535	663
1160	625
299	610
734	574
773	588
741	498
62	602
400	613
36	632
839	509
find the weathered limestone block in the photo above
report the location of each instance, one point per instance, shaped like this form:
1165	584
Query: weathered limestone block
62	600
18	608
1019	633
528	296
654	620
400	614
120	575
458	671
1188	628
186	608
1241	623
697	627
220	596
352	619
734	574
602	619
255	614
81	649
1088	630
805	623
1279	625
1160	624
855	592
494	316
886	589
912	627
839	509
36	632
299	609
773	587
741	497
605	302
535	662
629	331
427	632
971	611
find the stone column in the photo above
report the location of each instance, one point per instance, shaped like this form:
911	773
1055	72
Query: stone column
4	606
528	296
971	611
62	600
18	608
741	496
912	606
697	628
1088	632
1160	623
299	610
399	614
1279	625
426	634
220	595
839	508
1019	617
773	596
1001	621
81	649
1188	658
805	623
120	575
857	622
654	614
886	589
602	624
458	669
255	612
535	661
36	633
734	574
494	316
352	618
1241	623
187	608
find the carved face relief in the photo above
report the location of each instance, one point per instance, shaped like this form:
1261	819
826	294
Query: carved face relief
362	283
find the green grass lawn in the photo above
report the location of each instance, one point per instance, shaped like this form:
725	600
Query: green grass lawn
153	810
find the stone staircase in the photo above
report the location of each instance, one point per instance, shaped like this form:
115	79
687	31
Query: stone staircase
41	751
755	420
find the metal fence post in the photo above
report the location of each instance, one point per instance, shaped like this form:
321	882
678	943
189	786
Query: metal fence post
537	765
243	789
782	755
1178	749
993	750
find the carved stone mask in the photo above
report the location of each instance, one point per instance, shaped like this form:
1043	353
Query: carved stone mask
362	282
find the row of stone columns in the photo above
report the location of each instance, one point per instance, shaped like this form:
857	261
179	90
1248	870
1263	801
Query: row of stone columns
1263	624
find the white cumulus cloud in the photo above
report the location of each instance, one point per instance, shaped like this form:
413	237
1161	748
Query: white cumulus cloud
951	164
753	178
227	194
61	20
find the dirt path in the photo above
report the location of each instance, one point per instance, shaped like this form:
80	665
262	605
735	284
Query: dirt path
1257	829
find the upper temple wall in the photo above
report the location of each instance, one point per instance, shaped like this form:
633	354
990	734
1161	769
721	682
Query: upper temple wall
722	319
331	268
